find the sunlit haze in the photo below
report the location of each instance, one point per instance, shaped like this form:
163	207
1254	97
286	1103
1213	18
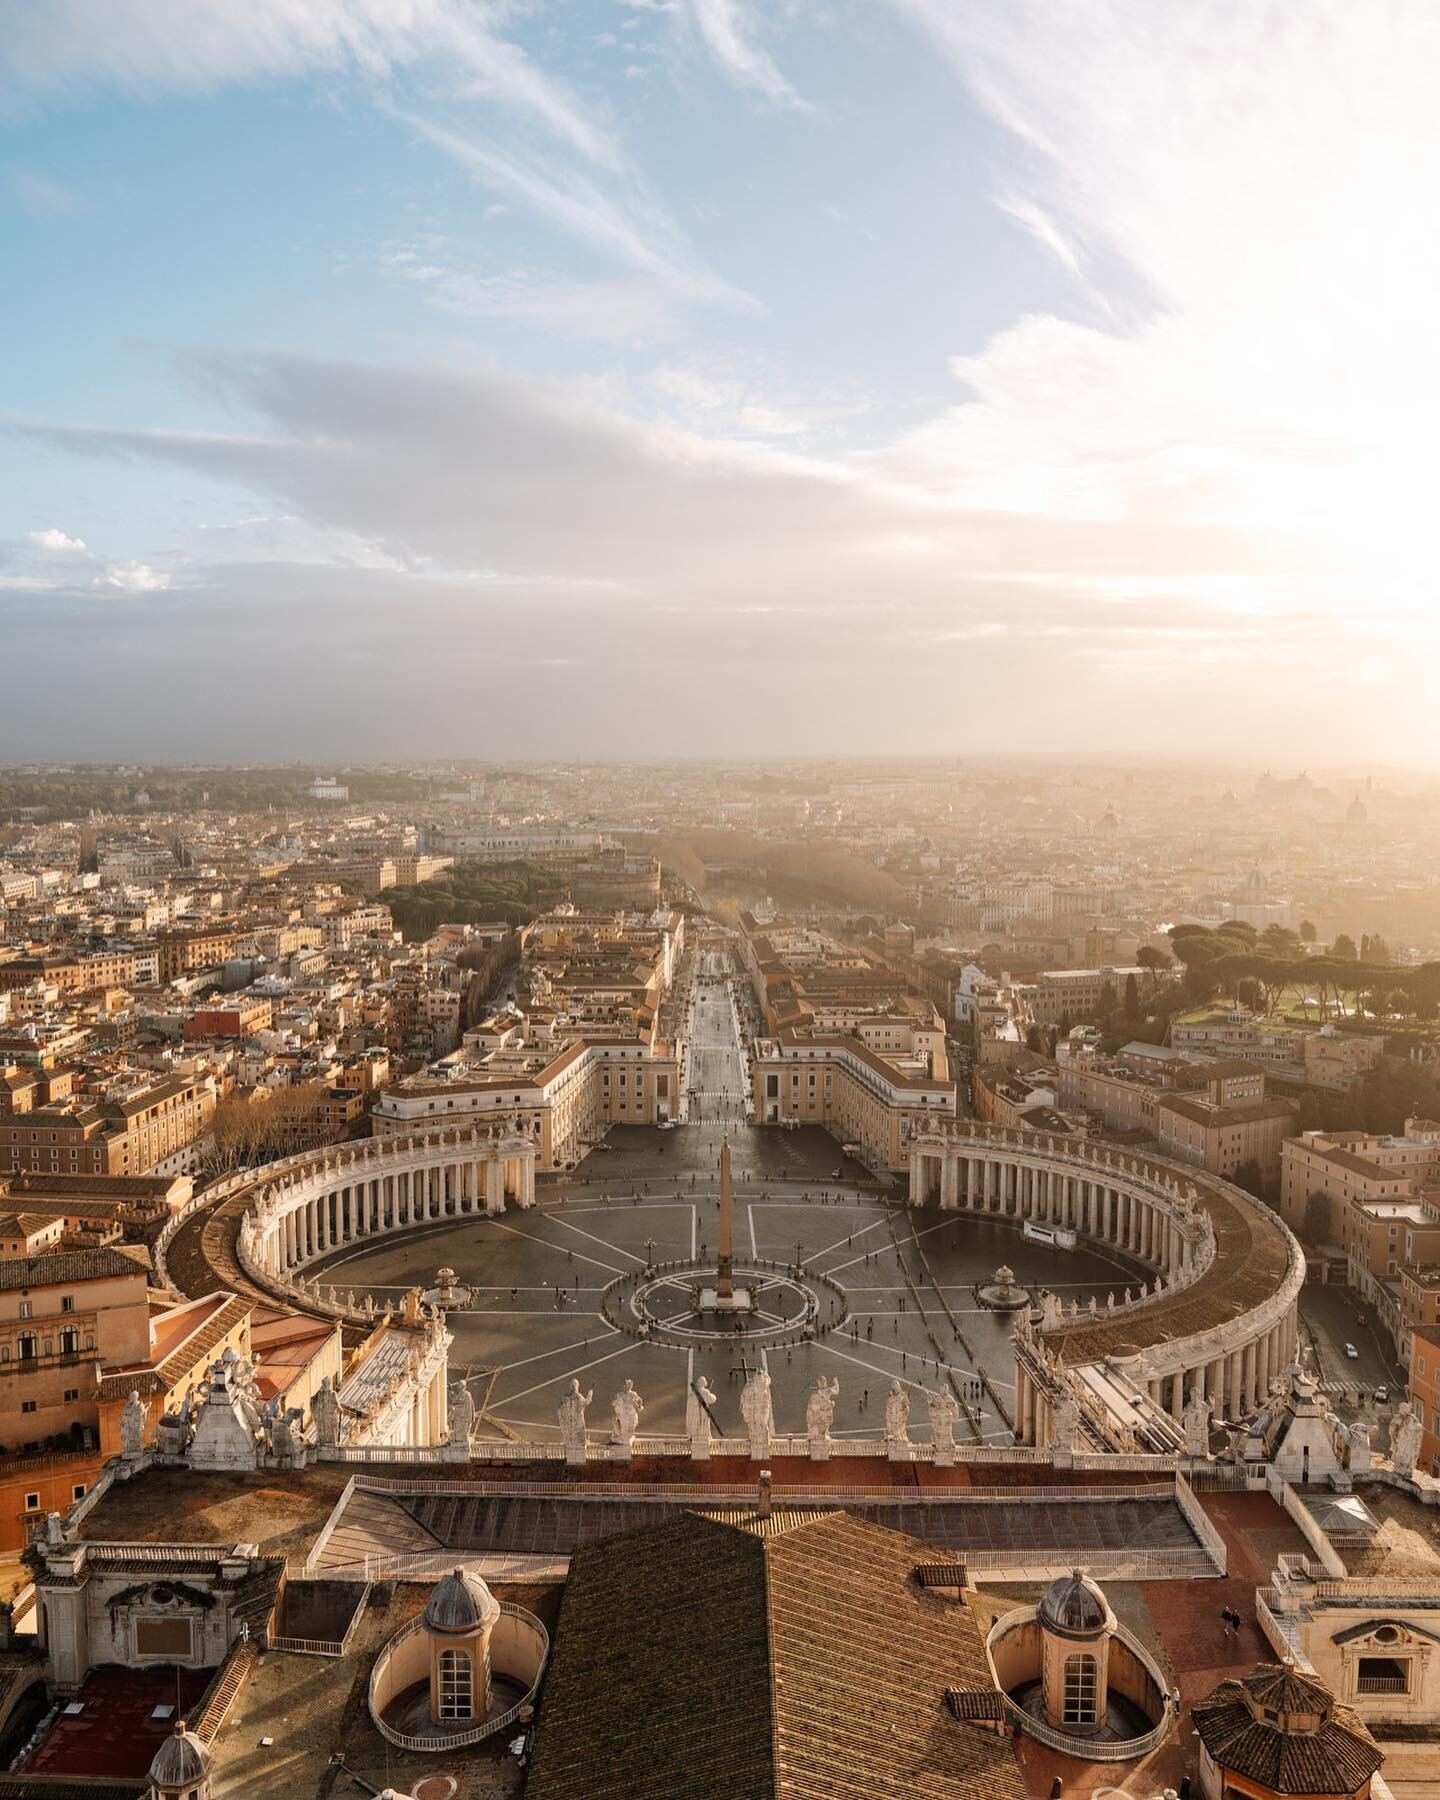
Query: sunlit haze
656	377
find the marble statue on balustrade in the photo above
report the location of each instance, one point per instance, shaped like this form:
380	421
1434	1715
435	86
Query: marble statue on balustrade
820	1413
944	1410
1195	1420
572	1421
325	1411
699	1417
897	1417
132	1427
1405	1434
1358	1436
625	1411
1065	1419
284	1445
757	1410
462	1414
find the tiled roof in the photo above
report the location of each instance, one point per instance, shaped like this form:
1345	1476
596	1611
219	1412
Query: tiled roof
1337	1759
73	1265
700	1660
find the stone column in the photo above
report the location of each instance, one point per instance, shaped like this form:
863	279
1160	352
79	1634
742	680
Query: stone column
495	1185
949	1171
1177	1395
1247	1377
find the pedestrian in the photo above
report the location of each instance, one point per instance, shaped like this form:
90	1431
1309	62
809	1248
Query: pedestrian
1225	1621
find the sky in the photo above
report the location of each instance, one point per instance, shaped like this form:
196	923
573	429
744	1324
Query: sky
529	378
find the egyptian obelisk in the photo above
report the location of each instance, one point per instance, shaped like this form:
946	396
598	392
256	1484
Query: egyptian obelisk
725	1268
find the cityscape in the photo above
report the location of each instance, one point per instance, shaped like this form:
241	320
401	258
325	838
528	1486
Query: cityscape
719	901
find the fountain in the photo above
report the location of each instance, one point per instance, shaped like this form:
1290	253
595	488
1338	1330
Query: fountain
1002	1293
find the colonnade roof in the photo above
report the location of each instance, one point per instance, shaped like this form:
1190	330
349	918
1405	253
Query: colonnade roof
1252	1259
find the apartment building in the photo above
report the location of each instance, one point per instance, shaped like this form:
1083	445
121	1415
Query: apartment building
125	1132
1338	1166
858	1095
564	1097
1222	1139
70	972
1074	994
63	1315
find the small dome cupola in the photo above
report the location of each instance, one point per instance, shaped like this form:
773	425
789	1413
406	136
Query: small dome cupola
460	1604
458	1619
181	1766
1287	1701
1074	1607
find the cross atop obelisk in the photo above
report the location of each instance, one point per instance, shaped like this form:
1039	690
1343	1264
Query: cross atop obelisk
725	1268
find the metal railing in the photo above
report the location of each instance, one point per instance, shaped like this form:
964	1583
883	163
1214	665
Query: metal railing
299	1646
1382	1684
430	1744
731	1494
1077	1744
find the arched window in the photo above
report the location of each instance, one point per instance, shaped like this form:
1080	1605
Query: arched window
28	1346
1082	1677
457	1693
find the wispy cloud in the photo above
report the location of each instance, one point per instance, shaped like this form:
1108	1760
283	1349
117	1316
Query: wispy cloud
38	194
729	35
646	240
164	46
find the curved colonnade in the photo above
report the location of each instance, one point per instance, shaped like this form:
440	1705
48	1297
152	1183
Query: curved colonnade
307	1206
1227	1272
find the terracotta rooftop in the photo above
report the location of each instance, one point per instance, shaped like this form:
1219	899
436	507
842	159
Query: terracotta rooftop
1338	1758
703	1661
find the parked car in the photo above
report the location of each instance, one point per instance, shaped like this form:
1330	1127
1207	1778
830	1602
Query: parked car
1382	1396
1352	1352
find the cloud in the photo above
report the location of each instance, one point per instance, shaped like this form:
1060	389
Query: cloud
163	46
726	31
574	203
1248	183
39	195
136	578
53	540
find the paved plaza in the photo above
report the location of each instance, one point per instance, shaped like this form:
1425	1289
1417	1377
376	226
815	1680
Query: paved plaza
908	1276
894	1288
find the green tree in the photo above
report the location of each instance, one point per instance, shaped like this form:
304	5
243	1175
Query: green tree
1308	933
1319	1218
1343	949
1154	962
1132	998
1249	1177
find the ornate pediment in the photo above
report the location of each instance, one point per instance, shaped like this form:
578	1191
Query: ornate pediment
162	1596
1385	1635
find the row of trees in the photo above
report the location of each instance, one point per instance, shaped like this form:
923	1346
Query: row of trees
255	1125
470	893
1258	970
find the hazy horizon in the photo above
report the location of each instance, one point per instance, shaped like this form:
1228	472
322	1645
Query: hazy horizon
661	378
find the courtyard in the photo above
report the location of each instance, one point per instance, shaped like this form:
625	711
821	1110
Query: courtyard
896	1288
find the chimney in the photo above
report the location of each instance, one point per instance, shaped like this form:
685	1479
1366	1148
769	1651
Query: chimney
764	1507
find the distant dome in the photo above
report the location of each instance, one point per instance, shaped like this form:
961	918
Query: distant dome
181	1761
1356	811
1075	1607
459	1603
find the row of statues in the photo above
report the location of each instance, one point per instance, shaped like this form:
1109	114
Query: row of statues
757	1412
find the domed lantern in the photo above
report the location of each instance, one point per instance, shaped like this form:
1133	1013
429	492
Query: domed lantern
1076	1625
181	1767
458	1619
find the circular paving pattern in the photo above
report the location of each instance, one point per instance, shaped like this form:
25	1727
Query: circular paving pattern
668	1306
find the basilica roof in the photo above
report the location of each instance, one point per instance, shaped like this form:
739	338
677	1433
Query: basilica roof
803	1661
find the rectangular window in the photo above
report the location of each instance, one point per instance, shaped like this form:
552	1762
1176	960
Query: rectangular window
32	1502
27	1406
